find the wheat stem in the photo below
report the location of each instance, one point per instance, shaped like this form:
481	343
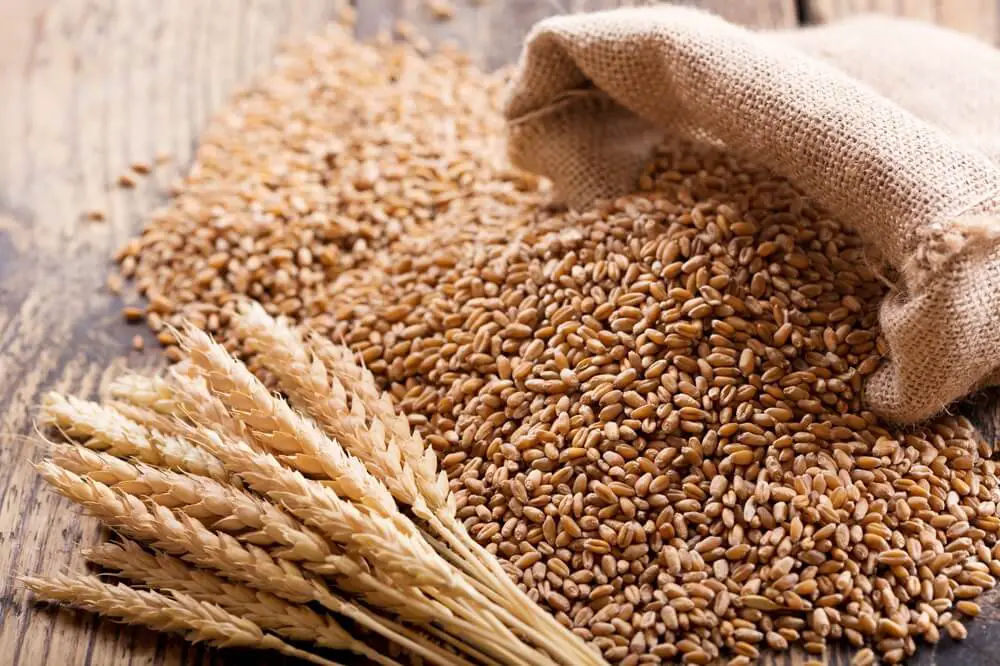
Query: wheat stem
459	644
198	621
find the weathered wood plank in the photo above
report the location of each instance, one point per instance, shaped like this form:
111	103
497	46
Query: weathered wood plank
980	18
493	30
86	89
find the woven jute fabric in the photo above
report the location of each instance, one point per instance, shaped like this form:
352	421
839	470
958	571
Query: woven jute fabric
891	125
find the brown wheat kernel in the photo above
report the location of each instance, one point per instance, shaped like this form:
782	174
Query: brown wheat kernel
126	181
115	283
138	343
966	607
132	314
863	657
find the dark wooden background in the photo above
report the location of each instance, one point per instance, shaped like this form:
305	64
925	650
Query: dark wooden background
87	88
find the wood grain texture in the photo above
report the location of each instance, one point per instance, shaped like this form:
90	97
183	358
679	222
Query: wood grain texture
980	18
493	29
86	88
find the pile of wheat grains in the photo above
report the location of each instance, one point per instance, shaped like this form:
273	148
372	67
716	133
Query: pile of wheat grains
650	410
339	152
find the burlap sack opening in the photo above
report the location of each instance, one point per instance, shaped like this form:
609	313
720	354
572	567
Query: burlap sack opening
889	124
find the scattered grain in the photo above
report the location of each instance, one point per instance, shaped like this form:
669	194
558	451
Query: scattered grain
441	10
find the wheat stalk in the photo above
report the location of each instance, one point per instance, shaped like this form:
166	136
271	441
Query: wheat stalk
177	612
103	429
184	536
314	377
292	621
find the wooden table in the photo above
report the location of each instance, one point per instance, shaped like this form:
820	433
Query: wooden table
88	87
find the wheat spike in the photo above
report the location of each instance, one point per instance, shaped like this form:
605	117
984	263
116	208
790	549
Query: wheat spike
292	621
184	536
181	396
198	621
281	350
305	380
148	417
151	392
218	505
420	458
229	509
277	428
103	429
386	445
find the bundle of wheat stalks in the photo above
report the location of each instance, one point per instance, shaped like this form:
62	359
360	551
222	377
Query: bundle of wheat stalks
252	521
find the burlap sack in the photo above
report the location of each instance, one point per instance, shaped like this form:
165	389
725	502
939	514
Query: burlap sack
892	125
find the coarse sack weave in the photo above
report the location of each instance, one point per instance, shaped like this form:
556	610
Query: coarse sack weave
893	126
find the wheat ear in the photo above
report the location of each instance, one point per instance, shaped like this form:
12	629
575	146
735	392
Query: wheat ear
220	506
229	509
103	429
304	378
341	365
305	381
295	622
184	536
353	575
198	621
341	521
275	427
148	391
420	458
159	403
